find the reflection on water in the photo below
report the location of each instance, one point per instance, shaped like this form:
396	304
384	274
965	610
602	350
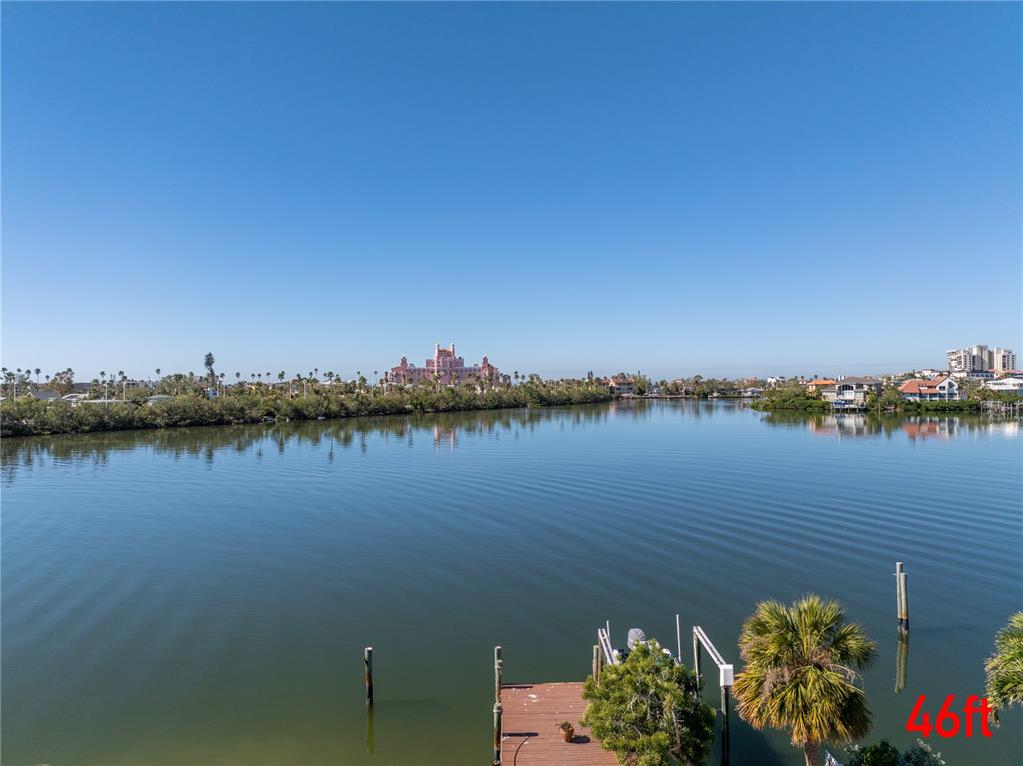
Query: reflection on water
444	430
204	595
914	427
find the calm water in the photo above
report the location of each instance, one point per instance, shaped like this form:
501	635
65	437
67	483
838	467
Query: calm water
202	596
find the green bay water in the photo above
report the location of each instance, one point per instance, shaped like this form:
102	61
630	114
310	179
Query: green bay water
203	596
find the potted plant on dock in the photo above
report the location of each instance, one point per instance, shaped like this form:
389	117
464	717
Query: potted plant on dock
567	730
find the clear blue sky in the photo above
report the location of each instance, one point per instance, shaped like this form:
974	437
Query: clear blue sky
723	189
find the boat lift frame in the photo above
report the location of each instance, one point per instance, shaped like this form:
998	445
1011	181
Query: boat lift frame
726	677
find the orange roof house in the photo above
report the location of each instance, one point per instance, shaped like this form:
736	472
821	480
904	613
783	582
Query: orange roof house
818	383
935	388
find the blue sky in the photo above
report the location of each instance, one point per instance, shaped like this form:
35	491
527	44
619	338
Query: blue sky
723	189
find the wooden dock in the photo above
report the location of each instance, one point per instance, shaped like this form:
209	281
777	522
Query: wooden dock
531	736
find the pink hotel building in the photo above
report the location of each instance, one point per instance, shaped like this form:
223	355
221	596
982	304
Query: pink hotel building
444	367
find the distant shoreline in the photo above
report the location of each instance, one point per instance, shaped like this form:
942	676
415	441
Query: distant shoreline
30	417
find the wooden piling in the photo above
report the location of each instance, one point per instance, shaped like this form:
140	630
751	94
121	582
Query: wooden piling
498	670
367	659
898	593
498	710
596	664
905	603
901	598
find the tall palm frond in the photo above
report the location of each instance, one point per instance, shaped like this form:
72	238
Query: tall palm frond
801	669
1005	667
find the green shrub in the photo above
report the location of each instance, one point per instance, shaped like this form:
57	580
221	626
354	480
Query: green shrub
647	710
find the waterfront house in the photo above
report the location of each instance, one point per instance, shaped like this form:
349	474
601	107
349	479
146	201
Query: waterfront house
621	384
981	375
851	392
1011	384
936	389
818	383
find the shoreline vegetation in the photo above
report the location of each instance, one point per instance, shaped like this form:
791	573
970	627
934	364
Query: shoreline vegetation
259	403
116	404
796	398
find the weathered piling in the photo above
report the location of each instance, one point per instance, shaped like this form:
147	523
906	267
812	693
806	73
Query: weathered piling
901	598
905	603
596	664
498	670
367	659
498	710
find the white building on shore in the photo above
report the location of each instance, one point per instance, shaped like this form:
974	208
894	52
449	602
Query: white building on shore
980	359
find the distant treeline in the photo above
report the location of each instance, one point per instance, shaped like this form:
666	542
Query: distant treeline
27	416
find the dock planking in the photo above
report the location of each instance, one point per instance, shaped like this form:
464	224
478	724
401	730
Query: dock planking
532	713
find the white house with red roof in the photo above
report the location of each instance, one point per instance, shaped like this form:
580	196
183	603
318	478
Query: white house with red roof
934	389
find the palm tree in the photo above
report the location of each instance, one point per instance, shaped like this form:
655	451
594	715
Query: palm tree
1005	668
801	666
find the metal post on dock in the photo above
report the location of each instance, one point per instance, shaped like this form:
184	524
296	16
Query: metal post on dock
696	663
367	659
726	677
498	669
497	734
724	726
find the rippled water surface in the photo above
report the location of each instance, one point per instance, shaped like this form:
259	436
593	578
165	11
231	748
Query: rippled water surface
202	596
